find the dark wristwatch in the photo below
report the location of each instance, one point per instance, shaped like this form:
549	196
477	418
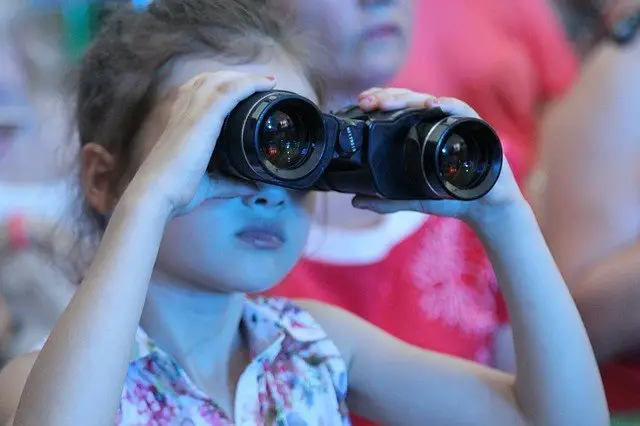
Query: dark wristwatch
621	28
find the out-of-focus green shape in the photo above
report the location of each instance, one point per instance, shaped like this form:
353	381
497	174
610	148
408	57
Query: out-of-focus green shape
78	23
631	419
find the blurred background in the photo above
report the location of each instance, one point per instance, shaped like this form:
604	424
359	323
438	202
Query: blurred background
559	80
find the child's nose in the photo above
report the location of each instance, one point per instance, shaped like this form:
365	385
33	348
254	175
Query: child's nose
268	197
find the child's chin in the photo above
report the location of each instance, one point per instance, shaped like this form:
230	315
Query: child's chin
257	286
252	284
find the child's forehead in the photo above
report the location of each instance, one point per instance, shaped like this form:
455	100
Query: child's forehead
288	75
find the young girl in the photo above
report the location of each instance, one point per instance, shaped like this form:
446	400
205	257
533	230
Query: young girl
182	249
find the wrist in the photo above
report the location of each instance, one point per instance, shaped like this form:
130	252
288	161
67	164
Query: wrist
499	221
135	203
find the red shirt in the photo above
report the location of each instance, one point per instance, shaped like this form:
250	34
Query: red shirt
622	384
434	288
505	58
424	279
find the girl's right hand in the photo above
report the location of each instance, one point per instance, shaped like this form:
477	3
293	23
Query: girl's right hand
190	119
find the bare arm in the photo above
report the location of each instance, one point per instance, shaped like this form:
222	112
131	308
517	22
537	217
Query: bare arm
503	351
78	376
88	329
590	208
608	296
557	383
12	380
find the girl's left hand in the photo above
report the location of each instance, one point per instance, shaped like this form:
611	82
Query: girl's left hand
505	193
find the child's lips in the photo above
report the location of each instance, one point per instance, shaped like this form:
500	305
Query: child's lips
383	30
263	236
261	240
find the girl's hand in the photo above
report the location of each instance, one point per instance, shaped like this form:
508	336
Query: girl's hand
191	117
505	192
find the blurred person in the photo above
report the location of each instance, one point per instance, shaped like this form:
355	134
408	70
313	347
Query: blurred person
508	59
34	114
37	278
35	182
426	279
587	194
588	22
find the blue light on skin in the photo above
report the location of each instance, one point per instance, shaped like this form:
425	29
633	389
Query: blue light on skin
140	4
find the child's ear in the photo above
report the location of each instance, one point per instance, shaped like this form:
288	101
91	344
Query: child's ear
97	177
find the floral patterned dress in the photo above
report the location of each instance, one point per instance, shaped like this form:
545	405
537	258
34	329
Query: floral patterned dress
296	377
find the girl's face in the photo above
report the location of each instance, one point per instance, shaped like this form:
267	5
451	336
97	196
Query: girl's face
240	244
366	40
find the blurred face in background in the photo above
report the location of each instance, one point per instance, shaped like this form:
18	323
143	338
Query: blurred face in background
16	116
36	147
34	110
364	41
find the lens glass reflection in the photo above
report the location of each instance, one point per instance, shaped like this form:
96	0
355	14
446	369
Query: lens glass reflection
284	142
461	161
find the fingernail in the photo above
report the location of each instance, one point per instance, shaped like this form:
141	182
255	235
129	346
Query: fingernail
271	77
198	82
432	102
369	100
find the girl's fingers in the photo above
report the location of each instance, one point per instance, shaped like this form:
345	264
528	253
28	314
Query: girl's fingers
390	99
369	92
213	186
390	102
455	106
394	99
446	208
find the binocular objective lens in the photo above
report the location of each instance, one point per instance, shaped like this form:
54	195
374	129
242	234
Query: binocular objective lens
284	141
462	162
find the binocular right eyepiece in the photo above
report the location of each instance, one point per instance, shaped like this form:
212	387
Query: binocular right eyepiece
281	138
